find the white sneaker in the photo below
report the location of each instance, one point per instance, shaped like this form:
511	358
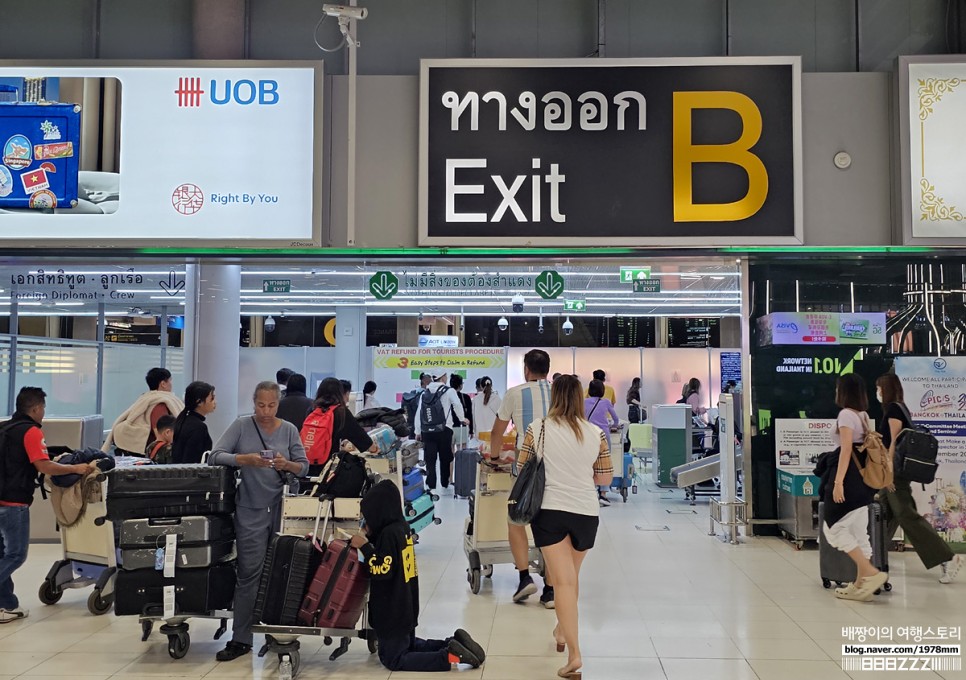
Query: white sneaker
951	569
604	503
11	615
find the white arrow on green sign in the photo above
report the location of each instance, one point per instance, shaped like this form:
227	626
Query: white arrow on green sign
647	285
383	285
630	274
276	285
575	306
549	285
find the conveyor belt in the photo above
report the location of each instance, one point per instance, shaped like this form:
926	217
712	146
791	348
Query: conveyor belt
701	470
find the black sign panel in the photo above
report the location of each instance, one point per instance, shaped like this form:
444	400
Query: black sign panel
701	152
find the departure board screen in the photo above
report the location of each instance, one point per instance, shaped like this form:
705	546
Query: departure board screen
693	332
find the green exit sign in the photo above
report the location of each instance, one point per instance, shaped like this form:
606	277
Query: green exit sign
631	274
276	285
647	285
575	306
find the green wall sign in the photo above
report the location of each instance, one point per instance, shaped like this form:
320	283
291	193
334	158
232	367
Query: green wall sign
383	285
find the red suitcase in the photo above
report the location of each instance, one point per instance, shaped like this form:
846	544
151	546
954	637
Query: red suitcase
337	593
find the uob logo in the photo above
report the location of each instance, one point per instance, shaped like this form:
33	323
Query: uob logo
242	92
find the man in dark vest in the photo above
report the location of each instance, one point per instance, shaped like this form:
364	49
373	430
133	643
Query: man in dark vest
23	454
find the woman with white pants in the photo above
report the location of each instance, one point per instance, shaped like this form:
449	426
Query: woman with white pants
847	500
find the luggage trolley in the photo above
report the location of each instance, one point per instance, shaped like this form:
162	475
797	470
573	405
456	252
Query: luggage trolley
625	475
485	539
89	557
284	640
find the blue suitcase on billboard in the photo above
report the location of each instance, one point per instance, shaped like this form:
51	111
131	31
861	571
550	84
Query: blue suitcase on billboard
40	154
421	513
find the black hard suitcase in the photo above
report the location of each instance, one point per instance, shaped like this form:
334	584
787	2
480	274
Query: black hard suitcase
835	566
290	563
146	491
464	472
197	591
189	556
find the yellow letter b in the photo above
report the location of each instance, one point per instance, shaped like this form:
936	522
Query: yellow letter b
737	153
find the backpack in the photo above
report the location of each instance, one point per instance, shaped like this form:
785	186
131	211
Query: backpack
876	473
684	399
344	477
432	417
317	435
916	451
159	452
410	401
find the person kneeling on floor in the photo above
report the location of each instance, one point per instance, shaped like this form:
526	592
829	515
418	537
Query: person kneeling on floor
387	547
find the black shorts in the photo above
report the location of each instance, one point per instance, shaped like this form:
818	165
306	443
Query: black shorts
550	527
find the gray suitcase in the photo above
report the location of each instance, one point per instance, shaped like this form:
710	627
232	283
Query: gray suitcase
188	557
835	566
409	453
464	472
150	533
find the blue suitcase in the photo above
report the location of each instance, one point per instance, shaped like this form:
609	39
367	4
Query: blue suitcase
40	154
624	476
413	485
421	513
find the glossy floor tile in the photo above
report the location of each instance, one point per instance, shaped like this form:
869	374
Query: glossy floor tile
656	603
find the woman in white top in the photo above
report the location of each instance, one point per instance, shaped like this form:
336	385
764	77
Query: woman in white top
369	396
486	404
576	460
847	499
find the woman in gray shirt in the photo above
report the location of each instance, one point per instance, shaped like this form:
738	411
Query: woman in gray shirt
248	444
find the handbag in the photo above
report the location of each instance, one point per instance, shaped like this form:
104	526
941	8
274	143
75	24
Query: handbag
345	476
526	496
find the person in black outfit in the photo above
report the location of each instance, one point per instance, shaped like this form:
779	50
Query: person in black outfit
900	504
456	382
387	546
294	406
331	394
191	438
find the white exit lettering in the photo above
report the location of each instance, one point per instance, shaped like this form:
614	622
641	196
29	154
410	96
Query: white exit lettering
508	193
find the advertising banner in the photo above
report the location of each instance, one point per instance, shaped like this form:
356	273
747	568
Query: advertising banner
184	152
821	328
799	442
610	151
933	149
935	392
397	370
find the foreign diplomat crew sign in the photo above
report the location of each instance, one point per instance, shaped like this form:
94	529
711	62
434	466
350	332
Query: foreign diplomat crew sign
659	152
190	151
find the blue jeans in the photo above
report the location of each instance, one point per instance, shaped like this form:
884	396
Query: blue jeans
14	539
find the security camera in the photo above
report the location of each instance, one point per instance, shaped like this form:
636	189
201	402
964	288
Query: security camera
517	303
567	327
420	317
343	11
502	324
540	328
269	325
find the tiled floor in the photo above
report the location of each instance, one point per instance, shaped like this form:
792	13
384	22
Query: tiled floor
655	603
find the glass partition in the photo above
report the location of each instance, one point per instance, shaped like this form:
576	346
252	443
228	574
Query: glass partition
124	369
65	369
5	376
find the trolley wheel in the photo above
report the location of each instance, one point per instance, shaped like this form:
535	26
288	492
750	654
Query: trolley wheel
410	511
799	545
488	570
826	583
437	521
178	645
97	605
839	584
634	489
146	628
475	581
372	642
435	497
887	587
48	594
289	664
624	493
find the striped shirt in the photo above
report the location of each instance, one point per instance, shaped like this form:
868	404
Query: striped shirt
525	403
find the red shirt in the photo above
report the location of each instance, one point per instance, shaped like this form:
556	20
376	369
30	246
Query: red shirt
33	441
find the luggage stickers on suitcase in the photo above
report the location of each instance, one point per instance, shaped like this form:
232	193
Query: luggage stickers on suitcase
464	472
835	566
421	513
196	591
170	491
289	564
414	485
336	594
384	437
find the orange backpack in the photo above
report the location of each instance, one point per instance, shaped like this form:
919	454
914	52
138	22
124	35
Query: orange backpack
317	435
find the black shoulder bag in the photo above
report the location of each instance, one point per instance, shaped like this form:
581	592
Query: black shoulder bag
526	496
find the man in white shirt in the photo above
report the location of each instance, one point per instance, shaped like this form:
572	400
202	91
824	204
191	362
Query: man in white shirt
523	404
433	427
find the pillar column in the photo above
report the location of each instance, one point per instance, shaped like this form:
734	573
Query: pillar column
351	356
212	318
407	331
